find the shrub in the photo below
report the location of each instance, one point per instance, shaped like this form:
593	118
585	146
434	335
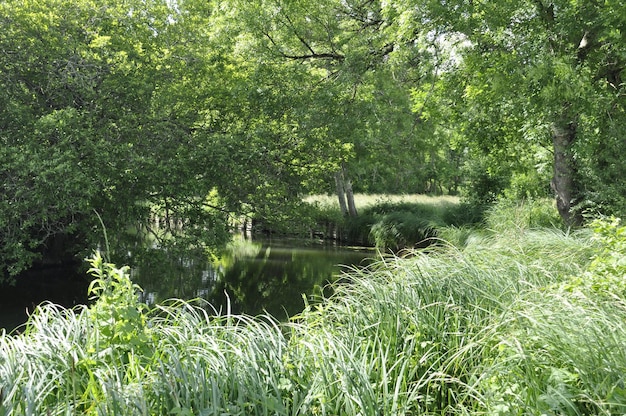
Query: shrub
466	213
356	230
398	225
117	316
606	274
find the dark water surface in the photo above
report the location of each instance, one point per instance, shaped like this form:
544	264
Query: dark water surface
62	285
250	277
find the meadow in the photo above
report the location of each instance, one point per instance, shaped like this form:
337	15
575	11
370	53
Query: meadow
512	318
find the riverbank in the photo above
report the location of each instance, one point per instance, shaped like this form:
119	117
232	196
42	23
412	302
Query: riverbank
501	325
387	222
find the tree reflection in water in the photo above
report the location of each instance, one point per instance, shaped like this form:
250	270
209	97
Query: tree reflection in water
249	277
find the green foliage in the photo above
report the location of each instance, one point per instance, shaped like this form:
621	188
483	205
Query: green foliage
527	185
323	217
384	224
521	215
545	362
117	316
405	225
356	87
87	360
139	108
401	229
605	277
487	181
611	261
122	114
388	221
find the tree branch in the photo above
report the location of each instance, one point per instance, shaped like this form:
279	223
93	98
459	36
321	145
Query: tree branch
303	57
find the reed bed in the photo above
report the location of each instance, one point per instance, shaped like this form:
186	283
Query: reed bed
502	326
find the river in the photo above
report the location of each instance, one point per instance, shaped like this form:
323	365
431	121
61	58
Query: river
249	276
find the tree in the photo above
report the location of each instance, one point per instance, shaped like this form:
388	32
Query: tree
363	89
82	125
136	111
543	72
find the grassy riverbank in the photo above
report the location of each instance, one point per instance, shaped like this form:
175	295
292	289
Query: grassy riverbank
396	222
510	321
392	222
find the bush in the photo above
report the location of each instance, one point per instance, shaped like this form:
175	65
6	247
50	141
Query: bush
117	316
466	213
398	225
356	230
606	275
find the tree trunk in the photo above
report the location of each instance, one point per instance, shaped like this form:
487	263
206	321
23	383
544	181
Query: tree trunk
345	193
564	179
349	194
341	193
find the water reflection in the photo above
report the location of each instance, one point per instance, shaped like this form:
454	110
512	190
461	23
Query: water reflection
250	276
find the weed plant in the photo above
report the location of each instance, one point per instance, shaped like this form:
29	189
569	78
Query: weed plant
508	325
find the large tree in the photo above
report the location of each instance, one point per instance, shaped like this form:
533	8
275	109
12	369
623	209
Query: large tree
76	82
537	73
362	81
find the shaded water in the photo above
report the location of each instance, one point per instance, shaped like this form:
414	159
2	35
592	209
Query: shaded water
249	277
58	284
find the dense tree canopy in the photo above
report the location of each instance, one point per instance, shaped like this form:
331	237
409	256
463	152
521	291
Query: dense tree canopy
190	111
137	110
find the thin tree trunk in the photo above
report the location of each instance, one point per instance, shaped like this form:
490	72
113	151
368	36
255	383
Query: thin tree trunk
345	193
341	193
564	181
349	193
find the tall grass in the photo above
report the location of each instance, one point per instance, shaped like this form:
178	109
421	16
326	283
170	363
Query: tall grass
391	222
515	216
503	326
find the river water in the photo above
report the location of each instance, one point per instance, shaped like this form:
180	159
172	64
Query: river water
249	276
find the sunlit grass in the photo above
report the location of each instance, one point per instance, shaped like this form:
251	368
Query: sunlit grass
367	200
389	222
